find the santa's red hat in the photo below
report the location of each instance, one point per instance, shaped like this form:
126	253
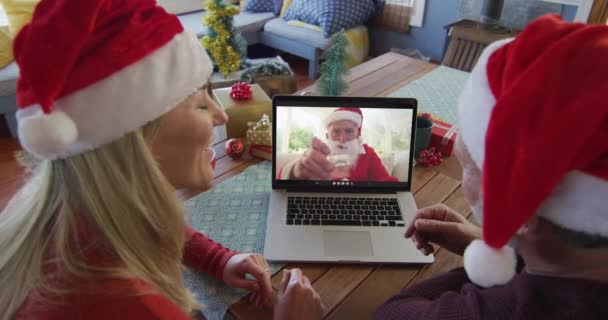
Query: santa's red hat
534	118
351	114
94	70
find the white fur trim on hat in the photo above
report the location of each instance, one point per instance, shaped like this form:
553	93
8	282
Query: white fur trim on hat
488	267
343	115
578	203
127	99
476	104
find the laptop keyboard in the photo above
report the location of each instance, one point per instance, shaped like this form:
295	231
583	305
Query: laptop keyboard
330	211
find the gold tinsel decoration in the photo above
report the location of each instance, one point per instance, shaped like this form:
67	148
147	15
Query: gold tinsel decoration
221	51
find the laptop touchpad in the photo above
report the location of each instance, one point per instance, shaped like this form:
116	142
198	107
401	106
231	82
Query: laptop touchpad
347	243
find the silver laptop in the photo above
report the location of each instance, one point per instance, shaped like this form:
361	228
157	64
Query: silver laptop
341	180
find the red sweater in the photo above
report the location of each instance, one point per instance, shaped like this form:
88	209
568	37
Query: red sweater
129	299
453	297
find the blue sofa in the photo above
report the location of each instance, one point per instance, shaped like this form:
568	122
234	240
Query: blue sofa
272	31
256	28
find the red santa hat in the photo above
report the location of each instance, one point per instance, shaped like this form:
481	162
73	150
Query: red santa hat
533	117
93	70
351	114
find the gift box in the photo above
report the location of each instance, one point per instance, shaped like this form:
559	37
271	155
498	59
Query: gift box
263	152
260	133
241	112
443	136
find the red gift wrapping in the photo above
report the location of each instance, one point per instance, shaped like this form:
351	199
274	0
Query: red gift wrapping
264	152
443	136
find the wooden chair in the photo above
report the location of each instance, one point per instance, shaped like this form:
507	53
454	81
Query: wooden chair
467	40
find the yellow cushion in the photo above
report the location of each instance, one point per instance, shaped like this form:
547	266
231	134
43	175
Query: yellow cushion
19	13
286	4
298	23
6	47
357	49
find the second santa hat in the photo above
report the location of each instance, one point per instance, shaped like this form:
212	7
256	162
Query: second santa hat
534	118
345	113
94	70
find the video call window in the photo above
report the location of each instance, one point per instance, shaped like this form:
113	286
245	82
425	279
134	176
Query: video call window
364	144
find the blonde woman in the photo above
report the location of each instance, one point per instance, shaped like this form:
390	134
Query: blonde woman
112	97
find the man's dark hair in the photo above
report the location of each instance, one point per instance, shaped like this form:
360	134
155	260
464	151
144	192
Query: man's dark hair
578	239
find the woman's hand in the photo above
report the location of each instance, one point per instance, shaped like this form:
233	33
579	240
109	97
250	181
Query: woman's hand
239	265
297	300
443	226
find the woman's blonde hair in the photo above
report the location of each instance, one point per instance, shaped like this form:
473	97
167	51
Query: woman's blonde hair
118	191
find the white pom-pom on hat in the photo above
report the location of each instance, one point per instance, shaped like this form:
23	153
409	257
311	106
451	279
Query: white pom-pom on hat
47	135
487	266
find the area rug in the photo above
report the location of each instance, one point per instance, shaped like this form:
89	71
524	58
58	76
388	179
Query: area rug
232	213
437	92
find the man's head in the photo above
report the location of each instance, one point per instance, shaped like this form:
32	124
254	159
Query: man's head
344	124
344	131
471	178
524	157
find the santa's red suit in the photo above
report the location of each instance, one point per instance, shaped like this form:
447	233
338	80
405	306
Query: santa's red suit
369	168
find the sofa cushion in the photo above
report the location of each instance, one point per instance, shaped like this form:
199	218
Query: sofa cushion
252	21
331	15
285	6
281	28
259	6
278	5
6	47
181	6
193	22
8	79
245	22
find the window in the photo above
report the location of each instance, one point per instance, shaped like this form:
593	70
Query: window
416	7
584	7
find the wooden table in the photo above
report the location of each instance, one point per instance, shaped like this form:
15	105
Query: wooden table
355	291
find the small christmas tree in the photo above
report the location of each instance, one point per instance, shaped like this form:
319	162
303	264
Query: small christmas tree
331	82
225	44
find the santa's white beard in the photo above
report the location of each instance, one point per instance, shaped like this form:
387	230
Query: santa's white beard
352	148
345	153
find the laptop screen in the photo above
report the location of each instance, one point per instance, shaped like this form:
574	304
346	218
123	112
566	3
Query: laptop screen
343	144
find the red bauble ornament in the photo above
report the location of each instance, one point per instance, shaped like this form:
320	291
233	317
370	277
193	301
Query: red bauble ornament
241	91
234	148
430	157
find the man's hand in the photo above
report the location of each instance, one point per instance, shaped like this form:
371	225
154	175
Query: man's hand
238	266
314	164
443	226
297	300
